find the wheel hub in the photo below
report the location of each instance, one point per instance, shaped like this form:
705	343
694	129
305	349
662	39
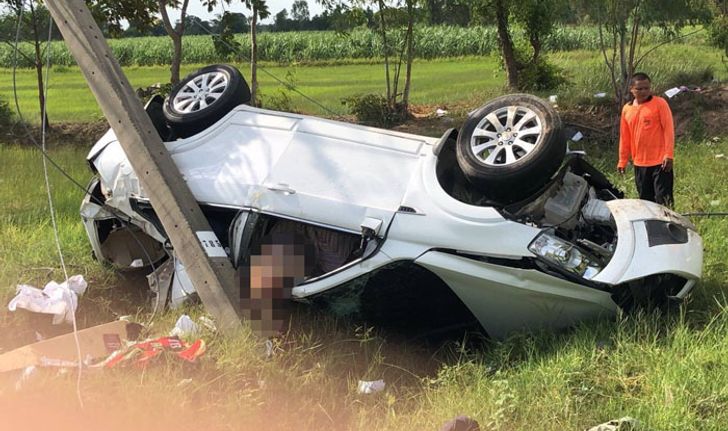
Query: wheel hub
200	92
506	135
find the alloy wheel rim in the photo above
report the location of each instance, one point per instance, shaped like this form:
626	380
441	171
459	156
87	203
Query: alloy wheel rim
506	135
200	92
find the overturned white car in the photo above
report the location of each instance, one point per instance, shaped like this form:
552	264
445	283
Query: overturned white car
523	234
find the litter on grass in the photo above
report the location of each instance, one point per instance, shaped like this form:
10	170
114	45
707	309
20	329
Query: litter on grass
60	300
624	424
143	353
184	327
366	387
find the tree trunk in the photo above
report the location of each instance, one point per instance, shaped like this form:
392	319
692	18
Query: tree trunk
536	45
410	55
254	58
176	57
174	33
383	24
506	44
39	66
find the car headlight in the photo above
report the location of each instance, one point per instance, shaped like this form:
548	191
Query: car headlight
565	255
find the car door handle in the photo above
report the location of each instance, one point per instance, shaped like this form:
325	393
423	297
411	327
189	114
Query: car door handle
281	187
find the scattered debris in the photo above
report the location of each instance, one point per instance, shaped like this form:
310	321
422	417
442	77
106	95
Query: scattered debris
461	423
600	95
440	112
27	373
720	156
141	354
553	98
184	327
624	424
95	342
673	92
184	382
60	300
578	136
372	387
269	348
208	323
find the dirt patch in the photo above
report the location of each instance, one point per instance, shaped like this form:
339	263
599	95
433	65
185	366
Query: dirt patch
697	112
701	112
85	134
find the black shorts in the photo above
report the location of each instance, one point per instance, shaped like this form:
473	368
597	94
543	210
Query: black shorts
654	184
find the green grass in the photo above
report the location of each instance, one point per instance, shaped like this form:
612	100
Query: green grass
467	81
70	100
669	371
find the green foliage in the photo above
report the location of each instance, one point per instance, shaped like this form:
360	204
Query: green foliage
281	99
540	75
312	46
226	47
719	35
373	110
7	115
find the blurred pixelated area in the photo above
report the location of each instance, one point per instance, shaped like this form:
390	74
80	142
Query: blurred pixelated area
279	263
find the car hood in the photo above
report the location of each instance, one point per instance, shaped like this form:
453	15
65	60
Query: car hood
638	254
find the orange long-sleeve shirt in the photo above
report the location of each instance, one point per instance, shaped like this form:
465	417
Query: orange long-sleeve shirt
646	133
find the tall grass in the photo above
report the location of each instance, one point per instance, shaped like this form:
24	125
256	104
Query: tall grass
668	371
288	47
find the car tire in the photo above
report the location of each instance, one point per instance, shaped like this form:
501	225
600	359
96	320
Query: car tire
203	98
504	166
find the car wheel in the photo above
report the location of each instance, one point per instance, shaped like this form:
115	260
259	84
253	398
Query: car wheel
204	97
511	146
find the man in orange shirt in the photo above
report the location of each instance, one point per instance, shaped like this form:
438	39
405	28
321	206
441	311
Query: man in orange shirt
647	137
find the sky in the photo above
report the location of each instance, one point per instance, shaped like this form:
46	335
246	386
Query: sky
274	6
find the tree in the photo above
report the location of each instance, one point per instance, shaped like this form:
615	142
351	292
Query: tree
524	70
719	29
450	12
197	26
174	32
299	12
259	10
622	25
235	22
400	18
108	13
281	21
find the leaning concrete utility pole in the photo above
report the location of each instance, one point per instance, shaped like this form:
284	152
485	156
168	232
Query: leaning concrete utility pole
192	238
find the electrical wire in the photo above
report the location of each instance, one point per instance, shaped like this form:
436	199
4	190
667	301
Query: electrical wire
51	208
286	84
125	221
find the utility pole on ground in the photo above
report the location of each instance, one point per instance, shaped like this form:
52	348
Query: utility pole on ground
209	269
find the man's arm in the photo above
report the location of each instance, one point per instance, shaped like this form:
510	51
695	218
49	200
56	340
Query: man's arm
625	143
668	139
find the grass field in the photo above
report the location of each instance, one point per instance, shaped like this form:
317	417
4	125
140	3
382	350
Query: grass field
670	372
466	82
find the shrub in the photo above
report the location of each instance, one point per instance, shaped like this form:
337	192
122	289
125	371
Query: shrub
7	115
540	75
373	110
